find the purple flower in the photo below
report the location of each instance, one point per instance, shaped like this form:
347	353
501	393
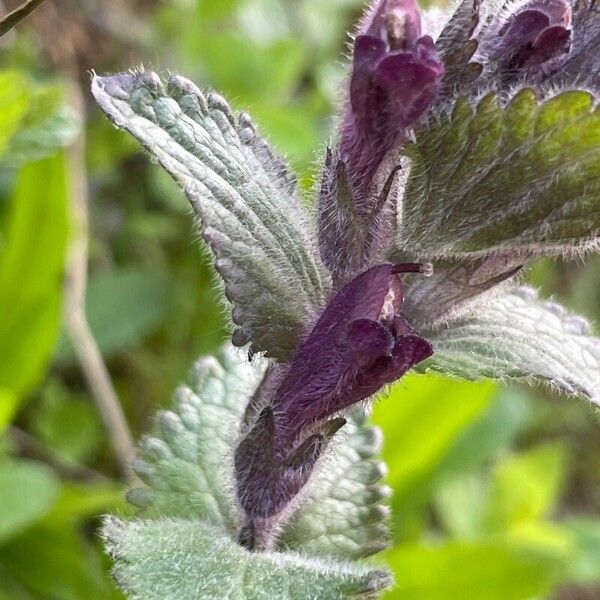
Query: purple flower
359	343
533	38
395	78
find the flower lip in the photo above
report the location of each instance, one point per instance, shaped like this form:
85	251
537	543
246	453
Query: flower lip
359	344
398	22
536	34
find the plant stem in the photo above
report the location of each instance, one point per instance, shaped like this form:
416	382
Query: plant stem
84	344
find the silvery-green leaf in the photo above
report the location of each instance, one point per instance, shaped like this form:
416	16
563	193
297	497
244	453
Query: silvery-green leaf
344	513
243	195
524	178
187	467
519	335
177	559
187	463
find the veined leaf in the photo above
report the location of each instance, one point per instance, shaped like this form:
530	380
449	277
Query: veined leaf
176	559
243	195
524	178
519	335
187	464
344	514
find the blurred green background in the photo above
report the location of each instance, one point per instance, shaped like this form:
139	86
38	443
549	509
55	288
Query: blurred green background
496	489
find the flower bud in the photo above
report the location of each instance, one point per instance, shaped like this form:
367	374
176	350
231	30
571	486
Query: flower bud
359	343
533	38
395	78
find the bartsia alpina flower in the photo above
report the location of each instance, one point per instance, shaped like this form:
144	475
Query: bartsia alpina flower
358	344
396	75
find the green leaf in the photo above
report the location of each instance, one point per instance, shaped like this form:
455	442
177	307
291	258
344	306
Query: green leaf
586	531
422	419
77	501
8	407
29	492
171	559
68	423
57	563
186	465
14	102
486	570
124	307
186	468
519	335
521	178
31	271
49	124
344	514
243	194
507	415
524	488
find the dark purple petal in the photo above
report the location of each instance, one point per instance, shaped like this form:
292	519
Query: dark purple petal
359	344
396	77
581	67
394	81
401	15
531	40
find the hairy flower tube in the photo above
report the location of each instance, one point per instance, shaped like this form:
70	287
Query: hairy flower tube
359	343
396	76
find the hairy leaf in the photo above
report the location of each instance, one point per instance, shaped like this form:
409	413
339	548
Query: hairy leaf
187	467
243	194
524	179
175	559
456	286
519	335
456	46
344	514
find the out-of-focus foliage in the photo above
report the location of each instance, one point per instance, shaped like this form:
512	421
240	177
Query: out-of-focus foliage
496	491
